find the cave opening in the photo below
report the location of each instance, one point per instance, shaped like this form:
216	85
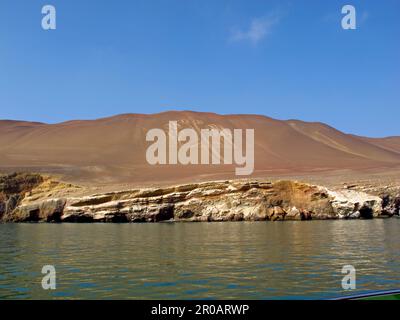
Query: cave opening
366	213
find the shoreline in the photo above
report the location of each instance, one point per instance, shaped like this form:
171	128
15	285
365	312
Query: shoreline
188	222
36	198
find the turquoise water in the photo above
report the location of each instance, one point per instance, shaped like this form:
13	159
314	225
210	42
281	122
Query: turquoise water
238	260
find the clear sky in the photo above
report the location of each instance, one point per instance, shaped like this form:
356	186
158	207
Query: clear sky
284	59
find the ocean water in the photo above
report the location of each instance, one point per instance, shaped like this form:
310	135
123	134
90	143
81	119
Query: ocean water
231	260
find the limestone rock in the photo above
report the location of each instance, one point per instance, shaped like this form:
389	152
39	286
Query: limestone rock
390	205
238	200
47	210
355	204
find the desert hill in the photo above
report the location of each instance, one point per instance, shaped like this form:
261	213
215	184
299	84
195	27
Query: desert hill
112	150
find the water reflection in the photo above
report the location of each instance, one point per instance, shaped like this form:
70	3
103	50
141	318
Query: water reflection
199	260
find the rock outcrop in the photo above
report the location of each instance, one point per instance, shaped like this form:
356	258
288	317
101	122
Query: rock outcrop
208	201
353	204
13	188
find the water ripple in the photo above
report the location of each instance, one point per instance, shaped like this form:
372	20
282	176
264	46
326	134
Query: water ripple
295	260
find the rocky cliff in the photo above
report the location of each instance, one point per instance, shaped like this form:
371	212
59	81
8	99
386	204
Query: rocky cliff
33	198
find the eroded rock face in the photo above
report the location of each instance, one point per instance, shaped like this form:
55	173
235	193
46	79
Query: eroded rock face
209	201
47	211
13	188
350	204
390	205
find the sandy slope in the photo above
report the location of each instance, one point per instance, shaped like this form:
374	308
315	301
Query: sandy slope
112	150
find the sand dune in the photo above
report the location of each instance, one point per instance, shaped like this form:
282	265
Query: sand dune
112	150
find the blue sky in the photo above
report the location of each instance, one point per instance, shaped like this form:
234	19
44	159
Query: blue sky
284	59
